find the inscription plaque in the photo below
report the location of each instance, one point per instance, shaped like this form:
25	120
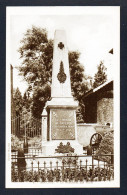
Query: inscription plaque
62	124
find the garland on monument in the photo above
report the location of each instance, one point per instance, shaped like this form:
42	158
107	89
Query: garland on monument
61	75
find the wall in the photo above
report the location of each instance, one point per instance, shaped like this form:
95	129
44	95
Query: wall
91	109
84	133
105	111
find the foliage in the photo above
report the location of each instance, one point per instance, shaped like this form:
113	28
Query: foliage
32	142
21	103
27	101
18	101
66	175
70	159
100	77
36	53
79	84
41	95
15	142
35	141
106	146
64	148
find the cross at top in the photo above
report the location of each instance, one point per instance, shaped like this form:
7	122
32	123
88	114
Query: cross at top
61	45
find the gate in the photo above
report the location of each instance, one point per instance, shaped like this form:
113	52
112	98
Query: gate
25	125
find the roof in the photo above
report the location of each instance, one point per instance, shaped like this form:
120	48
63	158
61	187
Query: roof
98	88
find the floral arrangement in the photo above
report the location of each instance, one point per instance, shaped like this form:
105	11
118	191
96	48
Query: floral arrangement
64	148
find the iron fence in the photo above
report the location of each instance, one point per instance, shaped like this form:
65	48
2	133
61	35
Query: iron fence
24	125
62	169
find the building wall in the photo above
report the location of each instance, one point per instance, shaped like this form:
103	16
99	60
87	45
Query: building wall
105	111
84	133
91	110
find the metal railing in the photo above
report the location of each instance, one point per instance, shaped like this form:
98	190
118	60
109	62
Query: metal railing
23	125
62	168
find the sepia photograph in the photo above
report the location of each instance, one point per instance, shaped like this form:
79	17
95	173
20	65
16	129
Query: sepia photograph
63	97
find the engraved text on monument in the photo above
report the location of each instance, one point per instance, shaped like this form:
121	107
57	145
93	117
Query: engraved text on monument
62	124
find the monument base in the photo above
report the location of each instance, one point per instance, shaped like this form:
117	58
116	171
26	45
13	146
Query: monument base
48	148
63	102
62	126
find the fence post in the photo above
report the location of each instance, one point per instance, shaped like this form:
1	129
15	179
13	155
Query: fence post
51	165
63	163
92	162
57	164
32	166
112	159
15	157
38	166
109	172
104	172
15	133
69	164
80	164
86	165
99	172
89	150
44	165
86	170
104	164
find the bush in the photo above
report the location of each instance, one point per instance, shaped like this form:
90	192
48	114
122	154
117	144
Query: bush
16	142
106	147
64	148
35	141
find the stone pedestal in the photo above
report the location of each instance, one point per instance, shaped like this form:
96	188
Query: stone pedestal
62	127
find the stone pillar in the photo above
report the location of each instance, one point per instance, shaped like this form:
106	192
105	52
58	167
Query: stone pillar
44	125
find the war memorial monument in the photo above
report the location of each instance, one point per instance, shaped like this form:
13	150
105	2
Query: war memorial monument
59	116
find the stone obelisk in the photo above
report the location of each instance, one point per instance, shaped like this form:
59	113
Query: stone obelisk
61	125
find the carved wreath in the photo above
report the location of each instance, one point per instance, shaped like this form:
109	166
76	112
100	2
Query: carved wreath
61	75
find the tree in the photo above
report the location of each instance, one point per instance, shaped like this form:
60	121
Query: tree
18	102
41	95
100	77
36	53
79	84
27	100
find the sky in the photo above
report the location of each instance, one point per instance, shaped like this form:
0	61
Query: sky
91	31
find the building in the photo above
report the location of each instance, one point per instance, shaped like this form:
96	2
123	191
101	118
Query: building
99	104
